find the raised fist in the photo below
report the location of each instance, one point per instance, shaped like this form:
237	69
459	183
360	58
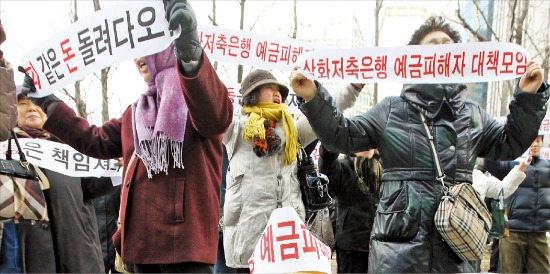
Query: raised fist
45	103
187	46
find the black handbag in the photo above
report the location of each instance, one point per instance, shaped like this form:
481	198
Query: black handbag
313	185
21	188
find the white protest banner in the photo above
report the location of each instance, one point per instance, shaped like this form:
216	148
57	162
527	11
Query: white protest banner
62	158
248	48
126	30
452	63
287	246
132	29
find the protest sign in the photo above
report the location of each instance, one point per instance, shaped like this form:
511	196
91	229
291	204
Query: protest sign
287	246
448	63
138	28
126	30
62	158
253	49
135	29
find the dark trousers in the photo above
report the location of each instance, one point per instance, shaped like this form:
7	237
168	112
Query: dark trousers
349	261
493	262
189	267
220	266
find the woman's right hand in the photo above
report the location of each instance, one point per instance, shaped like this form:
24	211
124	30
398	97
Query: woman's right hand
302	86
46	103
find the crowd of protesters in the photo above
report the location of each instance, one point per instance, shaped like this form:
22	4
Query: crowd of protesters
181	144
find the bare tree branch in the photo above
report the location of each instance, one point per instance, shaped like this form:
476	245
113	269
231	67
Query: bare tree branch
539	51
66	92
377	9
295	29
241	26
260	15
467	26
513	21
521	21
487	23
97	77
212	17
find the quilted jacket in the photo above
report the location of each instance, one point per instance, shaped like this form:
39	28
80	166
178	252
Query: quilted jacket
404	238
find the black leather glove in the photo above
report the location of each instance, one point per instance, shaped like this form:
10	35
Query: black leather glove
187	46
46	103
28	84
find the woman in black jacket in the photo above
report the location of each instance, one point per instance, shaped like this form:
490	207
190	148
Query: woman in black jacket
404	237
355	185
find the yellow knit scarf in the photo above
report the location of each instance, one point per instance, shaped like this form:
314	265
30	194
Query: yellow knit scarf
255	126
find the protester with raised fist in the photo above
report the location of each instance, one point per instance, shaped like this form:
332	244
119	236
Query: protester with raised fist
404	237
170	139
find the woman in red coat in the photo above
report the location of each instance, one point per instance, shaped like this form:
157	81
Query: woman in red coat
170	193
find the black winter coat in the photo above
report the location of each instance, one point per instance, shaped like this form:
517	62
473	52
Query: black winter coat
529	206
106	211
404	238
355	211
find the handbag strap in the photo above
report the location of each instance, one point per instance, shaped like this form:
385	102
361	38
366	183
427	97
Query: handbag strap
44	182
132	159
302	154
440	174
22	157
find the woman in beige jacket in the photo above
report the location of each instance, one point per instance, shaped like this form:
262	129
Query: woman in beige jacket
262	174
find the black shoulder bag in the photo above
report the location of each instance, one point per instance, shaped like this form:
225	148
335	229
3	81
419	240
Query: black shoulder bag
314	185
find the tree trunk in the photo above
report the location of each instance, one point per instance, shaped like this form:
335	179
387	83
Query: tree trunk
521	7
80	105
518	30
376	38
295	30
105	95
104	86
241	26
214	23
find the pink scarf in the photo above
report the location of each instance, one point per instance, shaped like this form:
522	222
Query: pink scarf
160	115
